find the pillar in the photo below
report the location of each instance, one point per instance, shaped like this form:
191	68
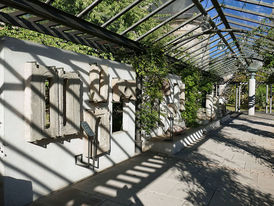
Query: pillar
270	100
266	99
138	125
239	97
236	98
209	105
251	94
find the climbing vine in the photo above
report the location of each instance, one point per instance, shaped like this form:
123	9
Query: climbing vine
197	85
152	68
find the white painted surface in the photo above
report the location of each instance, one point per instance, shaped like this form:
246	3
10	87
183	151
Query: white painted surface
33	169
251	96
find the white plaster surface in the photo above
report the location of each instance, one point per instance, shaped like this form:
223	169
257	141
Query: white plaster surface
33	169
251	96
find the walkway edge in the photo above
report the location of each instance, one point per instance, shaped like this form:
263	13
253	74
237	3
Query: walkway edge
189	139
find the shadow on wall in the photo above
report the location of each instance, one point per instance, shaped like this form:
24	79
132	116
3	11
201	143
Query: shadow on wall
27	188
135	175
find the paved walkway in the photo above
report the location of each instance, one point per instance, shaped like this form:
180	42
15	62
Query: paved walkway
231	166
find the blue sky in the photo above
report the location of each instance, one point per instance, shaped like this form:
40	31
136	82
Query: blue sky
240	5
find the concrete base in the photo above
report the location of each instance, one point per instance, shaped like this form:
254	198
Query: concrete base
186	140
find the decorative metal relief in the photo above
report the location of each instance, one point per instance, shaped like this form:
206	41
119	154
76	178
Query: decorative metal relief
99	83
125	89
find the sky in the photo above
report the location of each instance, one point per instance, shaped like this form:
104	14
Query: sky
240	5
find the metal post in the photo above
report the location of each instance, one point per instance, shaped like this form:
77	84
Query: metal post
236	99
270	100
239	98
266	99
138	132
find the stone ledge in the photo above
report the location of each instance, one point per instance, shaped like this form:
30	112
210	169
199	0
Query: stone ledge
187	139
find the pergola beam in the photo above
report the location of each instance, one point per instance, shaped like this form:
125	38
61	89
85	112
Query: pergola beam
50	13
213	46
147	17
216	59
203	11
193	45
177	28
182	25
165	22
224	20
246	11
195	60
258	3
228	62
247	19
175	40
208	49
136	2
180	51
88	9
236	30
216	64
210	59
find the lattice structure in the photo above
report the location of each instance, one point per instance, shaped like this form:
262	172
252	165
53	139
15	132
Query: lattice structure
197	28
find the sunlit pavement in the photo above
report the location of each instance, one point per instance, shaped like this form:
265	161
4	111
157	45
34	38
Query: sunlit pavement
231	166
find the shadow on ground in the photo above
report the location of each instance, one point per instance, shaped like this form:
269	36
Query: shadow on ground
188	178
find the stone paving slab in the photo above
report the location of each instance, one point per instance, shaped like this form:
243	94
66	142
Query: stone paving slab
231	166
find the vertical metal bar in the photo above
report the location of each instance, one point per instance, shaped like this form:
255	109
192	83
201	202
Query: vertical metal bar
270	99
236	99
266	99
239	98
138	133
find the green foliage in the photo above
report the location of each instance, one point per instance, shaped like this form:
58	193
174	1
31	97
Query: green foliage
152	67
260	96
197	85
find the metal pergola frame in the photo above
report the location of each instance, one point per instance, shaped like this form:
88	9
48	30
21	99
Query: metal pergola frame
51	21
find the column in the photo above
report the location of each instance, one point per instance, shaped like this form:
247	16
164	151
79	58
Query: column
239	97
251	94
270	99
236	98
209	105
266	99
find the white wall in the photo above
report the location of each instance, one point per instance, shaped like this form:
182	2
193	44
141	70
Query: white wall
31	170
